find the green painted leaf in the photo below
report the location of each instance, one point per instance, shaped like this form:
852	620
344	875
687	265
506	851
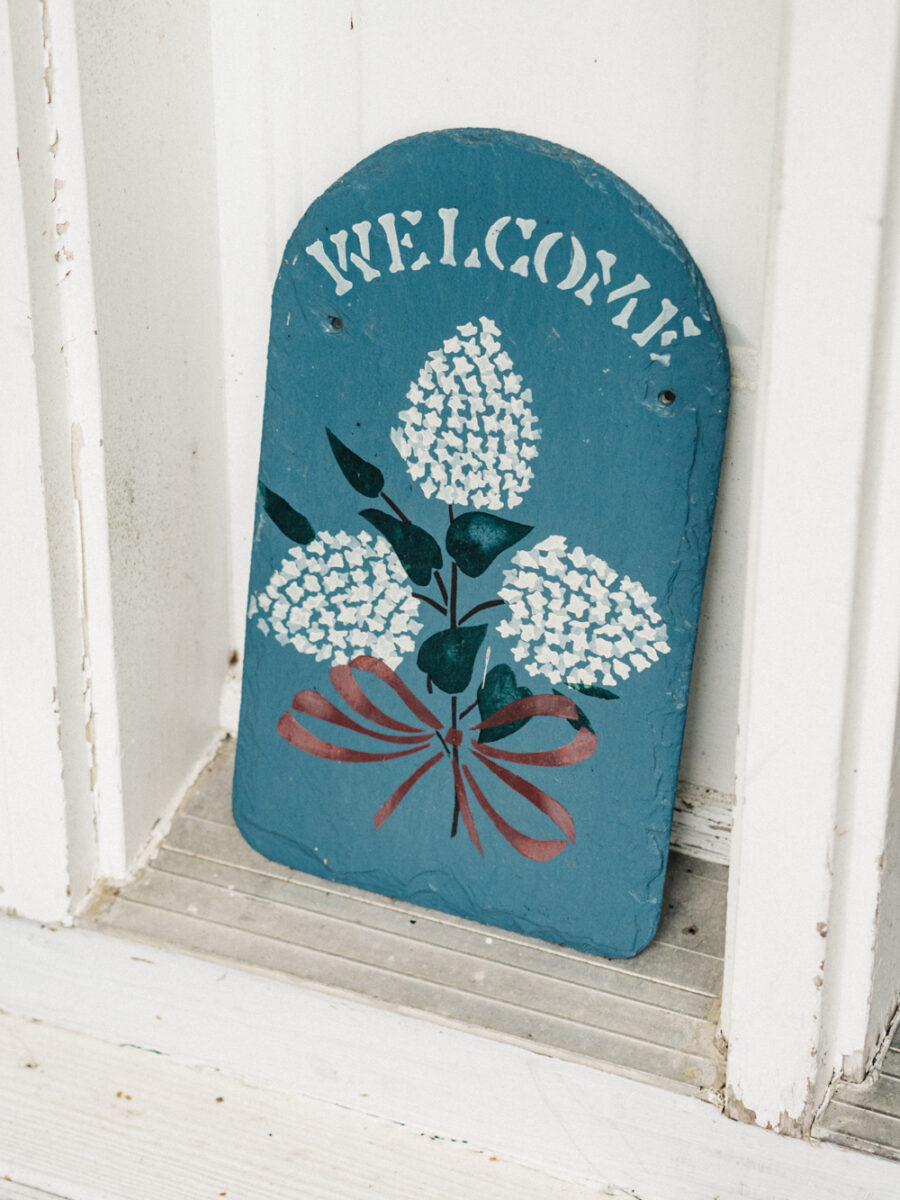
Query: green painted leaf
417	550
581	721
498	690
449	656
291	523
360	474
598	693
475	539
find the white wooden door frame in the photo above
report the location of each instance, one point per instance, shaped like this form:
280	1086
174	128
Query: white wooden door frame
57	440
33	871
821	659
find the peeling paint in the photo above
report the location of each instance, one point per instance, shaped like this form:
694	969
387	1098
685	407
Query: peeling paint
787	1125
48	51
736	1109
77	444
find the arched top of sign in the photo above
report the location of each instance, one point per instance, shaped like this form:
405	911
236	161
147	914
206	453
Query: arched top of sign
495	412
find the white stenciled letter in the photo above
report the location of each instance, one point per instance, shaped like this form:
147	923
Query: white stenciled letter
340	243
585	292
667	312
413	217
527	226
638	284
317	251
448	218
540	255
361	260
576	270
389	225
490	240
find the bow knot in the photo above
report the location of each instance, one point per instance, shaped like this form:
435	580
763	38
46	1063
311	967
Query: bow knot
417	738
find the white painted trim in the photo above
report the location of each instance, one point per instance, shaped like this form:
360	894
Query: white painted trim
68	387
78	348
799	712
33	871
864	945
558	1117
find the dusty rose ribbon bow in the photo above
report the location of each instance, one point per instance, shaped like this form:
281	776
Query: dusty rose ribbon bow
415	740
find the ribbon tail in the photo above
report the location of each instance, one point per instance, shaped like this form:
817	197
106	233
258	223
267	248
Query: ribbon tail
393	801
462	801
292	731
560	816
537	849
582	746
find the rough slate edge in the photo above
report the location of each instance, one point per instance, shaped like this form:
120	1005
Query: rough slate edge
866	1116
697	888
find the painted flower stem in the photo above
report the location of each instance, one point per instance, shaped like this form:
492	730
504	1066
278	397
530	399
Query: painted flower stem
454	584
454	579
455	826
478	608
399	511
434	604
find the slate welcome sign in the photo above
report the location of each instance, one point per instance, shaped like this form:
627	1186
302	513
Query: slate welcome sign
494	418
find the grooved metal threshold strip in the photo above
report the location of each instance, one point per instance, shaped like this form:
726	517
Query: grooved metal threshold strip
652	1017
866	1115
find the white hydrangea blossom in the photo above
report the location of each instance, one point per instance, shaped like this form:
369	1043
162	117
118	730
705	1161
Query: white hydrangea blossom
574	620
340	596
469	434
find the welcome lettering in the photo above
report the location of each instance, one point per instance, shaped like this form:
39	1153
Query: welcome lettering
556	259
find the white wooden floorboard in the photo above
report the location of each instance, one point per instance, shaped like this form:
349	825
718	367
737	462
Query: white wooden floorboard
90	1121
10	1190
562	1118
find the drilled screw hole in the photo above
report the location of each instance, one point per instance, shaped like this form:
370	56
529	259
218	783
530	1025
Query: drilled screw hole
667	397
336	323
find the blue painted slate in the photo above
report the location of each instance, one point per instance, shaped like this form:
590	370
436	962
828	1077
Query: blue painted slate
495	411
